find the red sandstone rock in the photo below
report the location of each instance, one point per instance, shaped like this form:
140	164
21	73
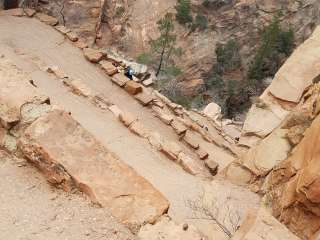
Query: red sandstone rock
69	155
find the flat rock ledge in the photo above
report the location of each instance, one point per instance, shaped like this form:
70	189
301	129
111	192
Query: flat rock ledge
69	157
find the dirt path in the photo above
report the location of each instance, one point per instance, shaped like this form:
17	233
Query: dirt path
33	45
32	210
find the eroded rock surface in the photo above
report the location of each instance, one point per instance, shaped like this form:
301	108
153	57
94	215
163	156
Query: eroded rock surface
15	92
261	225
167	229
294	185
294	77
70	156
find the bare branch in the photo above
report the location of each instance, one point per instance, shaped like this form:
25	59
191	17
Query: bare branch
212	212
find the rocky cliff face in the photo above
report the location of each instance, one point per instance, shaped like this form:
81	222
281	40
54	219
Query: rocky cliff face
281	132
129	25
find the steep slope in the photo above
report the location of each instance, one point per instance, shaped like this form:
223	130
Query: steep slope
281	132
128	26
146	147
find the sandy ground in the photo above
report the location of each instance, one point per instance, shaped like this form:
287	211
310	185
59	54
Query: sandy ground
33	210
33	46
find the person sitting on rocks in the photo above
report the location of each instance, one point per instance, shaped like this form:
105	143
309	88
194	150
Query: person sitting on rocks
129	73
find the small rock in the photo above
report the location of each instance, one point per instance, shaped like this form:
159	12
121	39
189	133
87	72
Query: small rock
178	127
166	229
156	140
115	110
108	68
56	71
62	29
30	12
16	12
120	79
133	88
137	128
202	154
212	166
78	87
189	164
158	103
144	98
47	19
81	44
92	55
72	36
171	149
162	115
185	227
190	140
127	118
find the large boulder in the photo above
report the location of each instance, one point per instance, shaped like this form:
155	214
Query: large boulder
271	151
299	71
295	186
286	89
69	156
261	121
212	110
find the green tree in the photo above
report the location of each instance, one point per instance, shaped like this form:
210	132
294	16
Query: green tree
228	56
183	14
228	93
164	46
276	44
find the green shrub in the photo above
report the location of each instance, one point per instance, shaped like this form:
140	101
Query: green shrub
200	22
214	80
228	57
183	15
276	44
120	11
229	94
206	3
172	70
144	58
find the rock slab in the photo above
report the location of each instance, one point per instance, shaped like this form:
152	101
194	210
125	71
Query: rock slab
133	88
71	156
108	68
92	55
261	225
120	79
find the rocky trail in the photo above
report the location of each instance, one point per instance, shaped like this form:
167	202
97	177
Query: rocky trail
35	46
157	168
